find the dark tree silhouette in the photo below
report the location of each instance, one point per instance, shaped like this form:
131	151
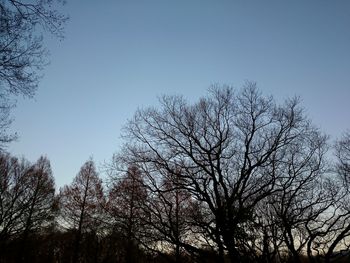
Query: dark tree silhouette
22	54
12	201
39	197
340	226
5	122
81	205
343	155
168	213
227	147
26	201
300	196
125	208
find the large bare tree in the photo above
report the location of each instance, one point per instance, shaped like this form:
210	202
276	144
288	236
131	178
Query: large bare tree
227	149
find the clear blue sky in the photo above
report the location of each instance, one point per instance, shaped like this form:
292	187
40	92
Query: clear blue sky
120	55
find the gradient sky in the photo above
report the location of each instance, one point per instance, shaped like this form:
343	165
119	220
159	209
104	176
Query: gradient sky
120	55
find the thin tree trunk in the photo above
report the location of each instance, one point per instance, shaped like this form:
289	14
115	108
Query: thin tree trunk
78	235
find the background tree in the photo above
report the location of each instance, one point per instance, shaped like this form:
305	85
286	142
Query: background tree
125	200
40	199
167	219
26	203
13	187
81	205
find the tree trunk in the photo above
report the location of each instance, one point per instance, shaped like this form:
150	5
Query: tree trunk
290	244
78	235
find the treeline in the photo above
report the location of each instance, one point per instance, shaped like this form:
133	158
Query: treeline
234	177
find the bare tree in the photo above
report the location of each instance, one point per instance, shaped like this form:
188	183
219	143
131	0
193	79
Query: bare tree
21	49
339	227
39	195
39	199
26	200
343	155
300	196
168	215
124	207
22	54
5	122
227	147
81	204
13	187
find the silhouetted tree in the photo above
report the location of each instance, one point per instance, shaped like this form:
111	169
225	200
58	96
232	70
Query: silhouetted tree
167	218
226	147
13	188
125	208
300	195
39	198
343	155
26	202
5	122
81	205
22	55
340	226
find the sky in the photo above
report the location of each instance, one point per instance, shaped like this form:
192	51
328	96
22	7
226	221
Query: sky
121	55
